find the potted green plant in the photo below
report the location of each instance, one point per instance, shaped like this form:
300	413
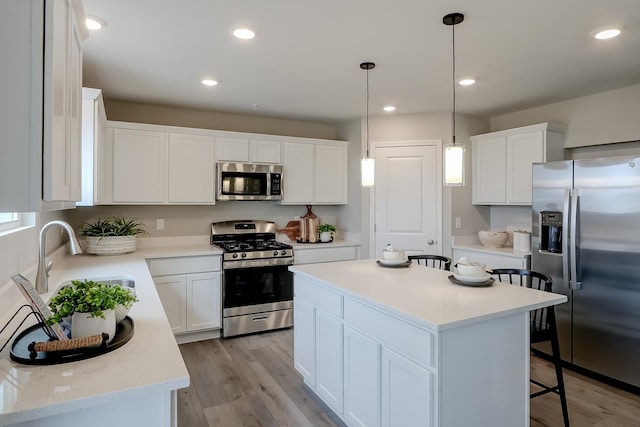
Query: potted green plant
112	236
91	307
327	231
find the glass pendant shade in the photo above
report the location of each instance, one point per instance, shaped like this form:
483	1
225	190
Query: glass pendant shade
454	165
368	171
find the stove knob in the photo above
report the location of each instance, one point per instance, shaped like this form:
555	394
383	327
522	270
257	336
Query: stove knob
235	255
275	253
244	255
283	253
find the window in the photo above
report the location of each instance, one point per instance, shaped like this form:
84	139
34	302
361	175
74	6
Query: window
11	220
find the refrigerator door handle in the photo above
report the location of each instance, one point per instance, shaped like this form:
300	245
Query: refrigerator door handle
565	238
575	197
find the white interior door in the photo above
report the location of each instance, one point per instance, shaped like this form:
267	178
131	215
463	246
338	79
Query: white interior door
408	197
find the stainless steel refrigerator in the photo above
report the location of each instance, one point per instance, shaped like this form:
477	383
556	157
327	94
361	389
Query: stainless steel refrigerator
586	235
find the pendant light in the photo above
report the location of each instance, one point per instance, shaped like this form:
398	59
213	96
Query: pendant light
367	164
453	154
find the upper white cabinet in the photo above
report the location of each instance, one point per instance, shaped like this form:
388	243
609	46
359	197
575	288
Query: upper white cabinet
148	166
248	150
502	161
156	164
191	169
315	173
41	47
93	121
139	166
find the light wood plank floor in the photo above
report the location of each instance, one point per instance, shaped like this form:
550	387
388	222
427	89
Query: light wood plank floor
250	381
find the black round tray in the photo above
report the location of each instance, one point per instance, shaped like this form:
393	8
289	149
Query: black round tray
484	284
21	354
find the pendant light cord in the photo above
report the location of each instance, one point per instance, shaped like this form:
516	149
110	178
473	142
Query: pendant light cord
453	84
367	113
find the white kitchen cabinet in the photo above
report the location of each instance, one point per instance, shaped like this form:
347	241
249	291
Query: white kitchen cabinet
314	173
304	340
371	368
93	121
407	391
502	162
172	291
248	150
190	291
191	169
329	359
147	164
139	166
362	379
41	47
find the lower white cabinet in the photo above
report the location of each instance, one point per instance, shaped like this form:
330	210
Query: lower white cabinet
407	390
191	299
362	379
329	356
371	368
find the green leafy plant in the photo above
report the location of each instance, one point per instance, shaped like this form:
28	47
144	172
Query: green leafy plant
90	297
113	226
322	228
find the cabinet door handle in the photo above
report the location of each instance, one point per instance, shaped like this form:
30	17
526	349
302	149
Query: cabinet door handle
431	242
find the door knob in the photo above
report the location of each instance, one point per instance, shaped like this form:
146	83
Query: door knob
431	242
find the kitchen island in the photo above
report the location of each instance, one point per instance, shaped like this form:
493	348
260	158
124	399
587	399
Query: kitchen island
134	385
405	346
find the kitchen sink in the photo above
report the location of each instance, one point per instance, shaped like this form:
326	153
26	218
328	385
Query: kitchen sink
126	281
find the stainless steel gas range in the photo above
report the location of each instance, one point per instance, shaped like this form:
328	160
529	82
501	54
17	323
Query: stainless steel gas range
257	291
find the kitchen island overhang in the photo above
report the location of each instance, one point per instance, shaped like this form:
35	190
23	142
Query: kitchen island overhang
436	351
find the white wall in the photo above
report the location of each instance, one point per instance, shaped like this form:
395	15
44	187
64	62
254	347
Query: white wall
603	118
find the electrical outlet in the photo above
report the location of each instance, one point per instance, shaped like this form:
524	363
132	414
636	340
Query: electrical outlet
296	218
160	224
458	222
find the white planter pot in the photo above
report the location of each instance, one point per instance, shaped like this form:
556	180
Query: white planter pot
112	245
325	236
84	326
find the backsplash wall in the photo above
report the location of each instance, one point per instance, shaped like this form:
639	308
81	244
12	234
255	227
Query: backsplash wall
196	220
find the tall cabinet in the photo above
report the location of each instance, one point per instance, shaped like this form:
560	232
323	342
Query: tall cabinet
40	110
502	162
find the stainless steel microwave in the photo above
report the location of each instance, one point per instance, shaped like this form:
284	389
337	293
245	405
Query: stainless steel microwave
246	181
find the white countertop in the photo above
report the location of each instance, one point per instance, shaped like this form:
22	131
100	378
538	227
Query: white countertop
334	244
149	363
472	243
425	295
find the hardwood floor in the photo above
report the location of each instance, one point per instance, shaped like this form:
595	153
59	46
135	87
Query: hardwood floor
250	381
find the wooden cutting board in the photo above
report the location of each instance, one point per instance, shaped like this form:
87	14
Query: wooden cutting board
309	227
292	230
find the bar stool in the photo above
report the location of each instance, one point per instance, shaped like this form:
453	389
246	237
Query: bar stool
435	261
543	327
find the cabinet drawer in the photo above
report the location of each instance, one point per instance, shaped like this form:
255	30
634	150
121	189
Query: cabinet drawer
179	265
404	338
309	256
318	296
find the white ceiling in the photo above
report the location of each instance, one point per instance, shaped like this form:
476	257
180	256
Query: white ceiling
304	62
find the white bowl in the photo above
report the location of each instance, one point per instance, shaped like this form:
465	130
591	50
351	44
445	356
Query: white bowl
473	269
493	239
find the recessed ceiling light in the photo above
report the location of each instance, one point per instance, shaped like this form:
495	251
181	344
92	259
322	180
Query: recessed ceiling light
608	32
244	33
467	82
94	23
389	108
209	82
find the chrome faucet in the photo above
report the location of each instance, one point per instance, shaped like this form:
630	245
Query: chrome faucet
42	277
